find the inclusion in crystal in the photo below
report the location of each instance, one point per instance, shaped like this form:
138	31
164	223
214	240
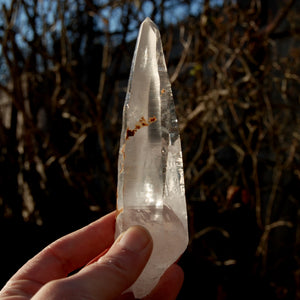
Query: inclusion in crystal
150	170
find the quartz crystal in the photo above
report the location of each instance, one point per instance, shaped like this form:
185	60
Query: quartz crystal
150	171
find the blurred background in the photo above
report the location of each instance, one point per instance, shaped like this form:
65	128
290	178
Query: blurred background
234	69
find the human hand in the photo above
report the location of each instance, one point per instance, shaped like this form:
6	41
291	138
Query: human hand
107	276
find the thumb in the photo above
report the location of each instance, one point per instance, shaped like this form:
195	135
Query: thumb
111	275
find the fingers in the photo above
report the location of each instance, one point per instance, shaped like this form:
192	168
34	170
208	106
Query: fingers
169	285
111	275
67	254
105	279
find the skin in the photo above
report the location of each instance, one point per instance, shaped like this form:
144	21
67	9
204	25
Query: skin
109	269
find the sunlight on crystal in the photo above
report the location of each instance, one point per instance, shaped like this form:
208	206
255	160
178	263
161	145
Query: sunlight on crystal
150	198
145	60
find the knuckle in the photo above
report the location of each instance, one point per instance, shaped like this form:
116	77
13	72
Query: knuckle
115	264
57	289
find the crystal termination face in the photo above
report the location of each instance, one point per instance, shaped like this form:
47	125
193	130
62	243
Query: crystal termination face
151	189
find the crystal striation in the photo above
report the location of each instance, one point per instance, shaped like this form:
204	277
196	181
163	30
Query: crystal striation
151	189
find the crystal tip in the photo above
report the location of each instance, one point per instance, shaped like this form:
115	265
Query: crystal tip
148	23
147	20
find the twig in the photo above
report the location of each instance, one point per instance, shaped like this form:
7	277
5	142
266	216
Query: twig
186	45
271	27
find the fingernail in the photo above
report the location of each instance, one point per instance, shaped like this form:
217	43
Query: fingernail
135	239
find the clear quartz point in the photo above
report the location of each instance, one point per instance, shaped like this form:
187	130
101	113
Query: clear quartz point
151	189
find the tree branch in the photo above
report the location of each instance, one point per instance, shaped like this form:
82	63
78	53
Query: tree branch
271	27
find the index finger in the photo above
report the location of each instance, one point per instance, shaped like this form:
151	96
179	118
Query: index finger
69	252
